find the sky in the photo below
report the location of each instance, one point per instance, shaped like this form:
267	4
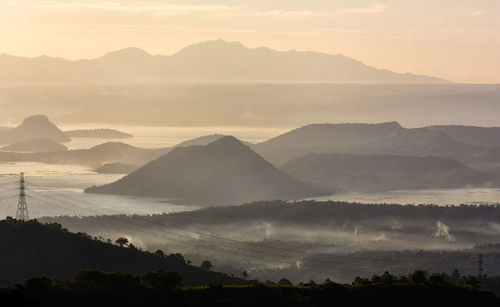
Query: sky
458	40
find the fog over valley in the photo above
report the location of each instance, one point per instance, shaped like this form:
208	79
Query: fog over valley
243	153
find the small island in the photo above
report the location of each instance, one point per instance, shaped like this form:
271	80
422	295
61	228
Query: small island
116	168
98	133
35	145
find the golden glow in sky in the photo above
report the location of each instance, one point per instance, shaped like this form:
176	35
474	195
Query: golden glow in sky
458	40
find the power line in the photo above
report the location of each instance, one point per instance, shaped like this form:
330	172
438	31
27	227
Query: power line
240	246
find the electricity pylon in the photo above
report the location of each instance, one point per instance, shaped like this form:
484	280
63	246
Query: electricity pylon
22	207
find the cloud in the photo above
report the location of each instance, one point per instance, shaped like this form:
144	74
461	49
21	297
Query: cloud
478	12
375	8
160	7
291	14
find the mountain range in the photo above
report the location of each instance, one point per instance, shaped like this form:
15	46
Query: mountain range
374	173
480	136
207	61
384	138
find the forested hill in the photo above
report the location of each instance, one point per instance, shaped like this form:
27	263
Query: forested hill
34	249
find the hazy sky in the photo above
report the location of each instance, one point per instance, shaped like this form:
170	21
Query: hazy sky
454	39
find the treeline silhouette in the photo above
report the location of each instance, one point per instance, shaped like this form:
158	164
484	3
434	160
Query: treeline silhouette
304	212
31	249
161	287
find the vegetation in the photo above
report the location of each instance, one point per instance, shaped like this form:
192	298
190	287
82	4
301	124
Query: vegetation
33	249
329	239
94	287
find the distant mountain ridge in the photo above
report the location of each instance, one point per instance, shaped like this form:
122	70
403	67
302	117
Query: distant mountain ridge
383	138
375	173
95	157
480	136
207	61
101	133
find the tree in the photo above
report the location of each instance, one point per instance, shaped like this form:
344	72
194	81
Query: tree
244	274
472	281
177	257
360	281
121	241
455	276
387	279
438	278
39	284
419	277
159	253
161	280
284	282
206	265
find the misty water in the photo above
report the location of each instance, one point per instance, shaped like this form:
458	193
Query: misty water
159	137
55	190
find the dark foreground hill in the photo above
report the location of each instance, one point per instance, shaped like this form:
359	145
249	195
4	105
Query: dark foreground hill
33	127
384	138
32	249
223	172
373	173
97	289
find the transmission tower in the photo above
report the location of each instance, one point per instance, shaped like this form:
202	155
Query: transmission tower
22	207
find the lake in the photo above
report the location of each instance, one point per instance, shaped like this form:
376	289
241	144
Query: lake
55	190
58	189
158	137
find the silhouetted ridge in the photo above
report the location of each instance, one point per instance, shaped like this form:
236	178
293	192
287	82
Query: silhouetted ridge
32	249
98	133
33	127
211	61
480	136
222	172
375	173
384	138
130	52
202	140
35	145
